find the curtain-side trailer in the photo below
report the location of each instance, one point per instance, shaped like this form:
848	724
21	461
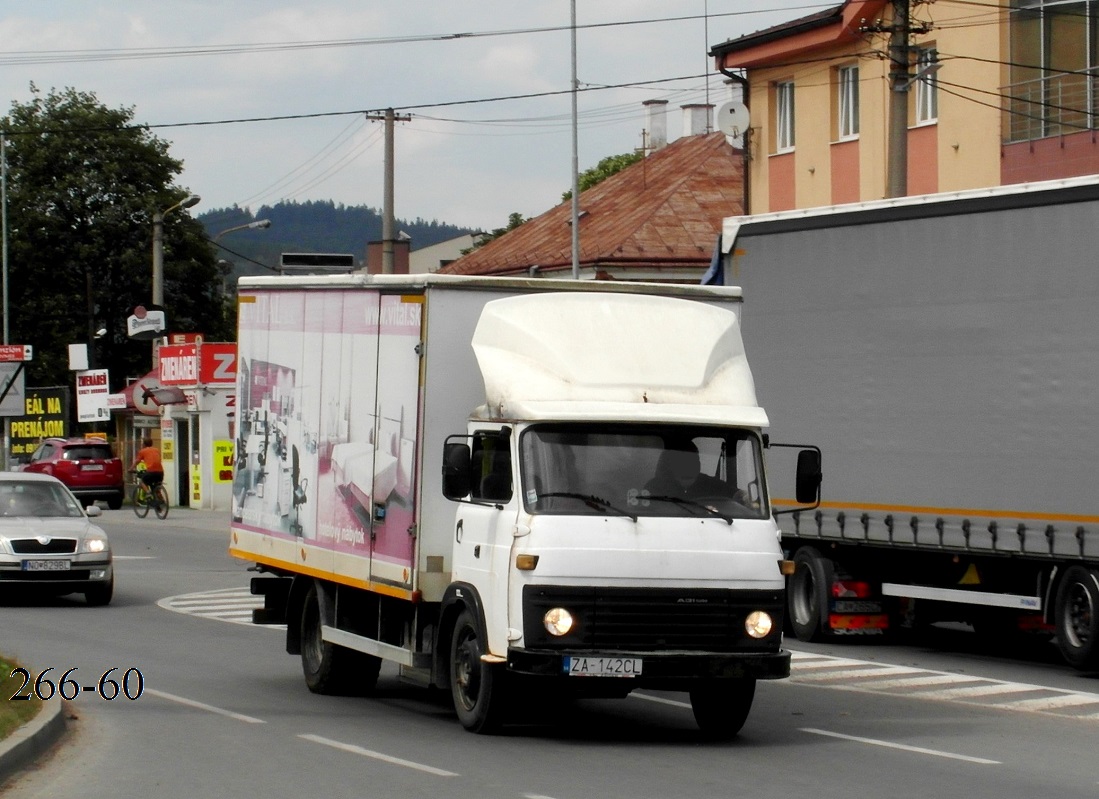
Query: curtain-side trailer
944	351
489	483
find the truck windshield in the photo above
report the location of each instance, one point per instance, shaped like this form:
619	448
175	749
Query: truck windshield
650	470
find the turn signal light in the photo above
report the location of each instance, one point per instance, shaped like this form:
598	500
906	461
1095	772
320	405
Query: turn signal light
526	563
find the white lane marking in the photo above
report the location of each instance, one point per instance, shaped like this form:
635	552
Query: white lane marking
396	761
234	605
134	557
203	706
660	700
903	747
1049	702
855	674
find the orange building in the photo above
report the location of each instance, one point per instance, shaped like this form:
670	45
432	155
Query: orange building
1001	91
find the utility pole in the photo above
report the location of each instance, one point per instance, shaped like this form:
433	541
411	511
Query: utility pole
900	30
897	148
388	223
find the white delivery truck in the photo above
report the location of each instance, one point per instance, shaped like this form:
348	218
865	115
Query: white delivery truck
510	488
944	351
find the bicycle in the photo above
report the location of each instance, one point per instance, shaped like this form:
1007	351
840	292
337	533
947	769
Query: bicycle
144	498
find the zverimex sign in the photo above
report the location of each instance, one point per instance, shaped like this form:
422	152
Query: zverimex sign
198	364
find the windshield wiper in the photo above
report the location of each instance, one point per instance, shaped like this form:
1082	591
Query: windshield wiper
592	501
690	503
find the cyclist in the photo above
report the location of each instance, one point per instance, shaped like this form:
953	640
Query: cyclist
149	457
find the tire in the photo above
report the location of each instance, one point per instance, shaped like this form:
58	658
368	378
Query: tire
807	594
114	502
100	595
141	509
330	669
721	707
1077	612
160	501
476	687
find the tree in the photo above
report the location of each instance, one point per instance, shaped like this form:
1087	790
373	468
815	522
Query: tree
83	185
610	165
515	219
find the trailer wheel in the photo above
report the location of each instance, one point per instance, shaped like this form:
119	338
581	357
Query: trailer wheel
807	594
721	706
476	687
328	668
1077	612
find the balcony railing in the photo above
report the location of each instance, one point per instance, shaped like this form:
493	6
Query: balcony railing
1051	106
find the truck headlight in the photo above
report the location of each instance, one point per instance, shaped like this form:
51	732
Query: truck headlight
758	624
558	621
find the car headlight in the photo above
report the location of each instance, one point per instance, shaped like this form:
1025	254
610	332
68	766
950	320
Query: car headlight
96	543
758	624
558	621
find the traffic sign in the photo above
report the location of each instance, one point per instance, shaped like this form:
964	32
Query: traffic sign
15	352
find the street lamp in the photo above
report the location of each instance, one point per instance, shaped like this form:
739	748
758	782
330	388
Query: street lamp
158	246
259	224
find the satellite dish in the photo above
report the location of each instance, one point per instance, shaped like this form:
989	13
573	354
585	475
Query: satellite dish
733	119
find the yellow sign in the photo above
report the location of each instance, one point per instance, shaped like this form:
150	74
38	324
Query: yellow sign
223	462
196	484
168	450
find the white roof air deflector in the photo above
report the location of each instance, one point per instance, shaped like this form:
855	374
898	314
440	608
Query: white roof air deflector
608	356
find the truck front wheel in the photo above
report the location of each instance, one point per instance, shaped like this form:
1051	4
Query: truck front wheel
721	706
476	687
1077	613
328	668
807	594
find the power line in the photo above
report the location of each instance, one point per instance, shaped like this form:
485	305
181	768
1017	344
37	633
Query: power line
17	57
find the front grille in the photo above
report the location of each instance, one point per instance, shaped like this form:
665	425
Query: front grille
651	620
32	546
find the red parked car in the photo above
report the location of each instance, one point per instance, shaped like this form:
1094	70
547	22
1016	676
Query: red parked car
86	465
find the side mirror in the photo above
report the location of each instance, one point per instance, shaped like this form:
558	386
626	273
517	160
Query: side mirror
809	476
93	510
456	466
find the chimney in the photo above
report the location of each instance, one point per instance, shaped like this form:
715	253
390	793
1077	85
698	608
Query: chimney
697	119
658	123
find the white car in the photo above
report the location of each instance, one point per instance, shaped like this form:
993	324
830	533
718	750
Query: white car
47	541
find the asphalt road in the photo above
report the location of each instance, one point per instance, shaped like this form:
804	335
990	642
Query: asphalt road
224	711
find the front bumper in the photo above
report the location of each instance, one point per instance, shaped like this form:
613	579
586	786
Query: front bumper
85	573
662	670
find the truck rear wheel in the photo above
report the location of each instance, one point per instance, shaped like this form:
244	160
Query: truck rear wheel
1077	611
721	706
807	594
476	687
328	668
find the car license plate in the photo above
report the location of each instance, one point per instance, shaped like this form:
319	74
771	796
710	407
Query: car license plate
46	565
91	467
602	667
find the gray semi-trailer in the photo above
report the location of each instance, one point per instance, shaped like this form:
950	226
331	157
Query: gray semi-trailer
944	351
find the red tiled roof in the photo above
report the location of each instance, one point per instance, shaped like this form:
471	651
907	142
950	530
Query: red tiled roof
664	211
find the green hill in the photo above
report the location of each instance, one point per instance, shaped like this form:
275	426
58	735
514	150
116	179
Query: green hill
314	226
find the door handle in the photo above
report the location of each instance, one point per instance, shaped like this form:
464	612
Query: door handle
458	531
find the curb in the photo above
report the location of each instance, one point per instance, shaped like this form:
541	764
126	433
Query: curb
33	739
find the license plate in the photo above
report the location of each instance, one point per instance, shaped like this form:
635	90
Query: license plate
46	565
602	667
91	467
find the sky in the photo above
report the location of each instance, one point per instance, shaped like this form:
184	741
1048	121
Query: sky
271	101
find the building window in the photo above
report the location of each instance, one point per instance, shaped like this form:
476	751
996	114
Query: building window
847	96
1054	67
784	116
927	92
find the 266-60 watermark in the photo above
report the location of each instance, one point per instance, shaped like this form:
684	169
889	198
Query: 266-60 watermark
128	684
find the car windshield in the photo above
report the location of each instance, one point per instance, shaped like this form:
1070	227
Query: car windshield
635	470
20	500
